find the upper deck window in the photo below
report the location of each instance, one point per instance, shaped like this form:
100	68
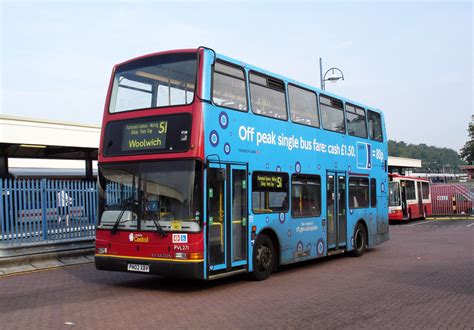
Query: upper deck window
332	114
375	125
356	124
152	82
267	96
229	87
303	106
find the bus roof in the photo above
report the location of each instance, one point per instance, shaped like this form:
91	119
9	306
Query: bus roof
295	82
252	67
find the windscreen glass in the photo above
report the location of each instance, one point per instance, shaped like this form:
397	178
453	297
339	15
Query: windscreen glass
159	81
140	196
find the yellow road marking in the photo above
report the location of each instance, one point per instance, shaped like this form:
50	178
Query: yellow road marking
451	218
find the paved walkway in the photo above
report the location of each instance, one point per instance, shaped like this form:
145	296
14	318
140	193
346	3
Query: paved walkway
421	278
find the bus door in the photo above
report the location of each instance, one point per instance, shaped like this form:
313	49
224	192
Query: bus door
404	199
336	210
420	199
226	194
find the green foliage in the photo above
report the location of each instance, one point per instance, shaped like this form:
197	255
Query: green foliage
467	152
432	158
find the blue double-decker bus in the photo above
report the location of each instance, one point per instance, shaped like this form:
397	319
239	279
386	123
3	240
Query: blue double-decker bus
209	167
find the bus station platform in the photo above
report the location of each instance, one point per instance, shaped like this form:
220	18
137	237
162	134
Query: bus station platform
46	166
42	256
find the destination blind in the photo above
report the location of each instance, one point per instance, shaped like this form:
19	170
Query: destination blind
144	136
269	181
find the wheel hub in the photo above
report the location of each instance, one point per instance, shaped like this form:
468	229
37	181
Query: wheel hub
264	257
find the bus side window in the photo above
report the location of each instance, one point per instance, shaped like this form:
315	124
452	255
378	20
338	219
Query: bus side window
229	88
303	106
305	195
356	123
358	192
267	96
410	189
332	114
269	192
425	187
373	192
375	126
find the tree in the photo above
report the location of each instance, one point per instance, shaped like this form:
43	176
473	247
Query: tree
433	159
467	152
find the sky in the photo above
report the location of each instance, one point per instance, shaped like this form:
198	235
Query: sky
412	60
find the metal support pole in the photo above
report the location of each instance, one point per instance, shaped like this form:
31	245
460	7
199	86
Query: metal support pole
3	163
321	73
44	209
89	169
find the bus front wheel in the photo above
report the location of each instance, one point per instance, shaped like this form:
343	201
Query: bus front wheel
263	258
360	240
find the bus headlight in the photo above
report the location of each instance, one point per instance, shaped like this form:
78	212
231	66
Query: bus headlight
180	255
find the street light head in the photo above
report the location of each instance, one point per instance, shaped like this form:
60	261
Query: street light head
334	77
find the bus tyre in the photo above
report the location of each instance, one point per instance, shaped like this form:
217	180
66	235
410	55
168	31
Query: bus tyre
360	240
263	258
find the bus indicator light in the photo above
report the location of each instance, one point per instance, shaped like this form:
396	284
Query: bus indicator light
196	255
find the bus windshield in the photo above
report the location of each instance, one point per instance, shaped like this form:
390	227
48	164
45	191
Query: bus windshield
138	196
394	194
153	82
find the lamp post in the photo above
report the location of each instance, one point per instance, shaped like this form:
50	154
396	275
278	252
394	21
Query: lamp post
332	78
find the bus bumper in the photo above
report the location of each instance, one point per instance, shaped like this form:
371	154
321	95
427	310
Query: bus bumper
188	270
395	215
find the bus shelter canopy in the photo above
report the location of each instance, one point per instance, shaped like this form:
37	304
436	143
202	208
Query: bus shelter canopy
44	139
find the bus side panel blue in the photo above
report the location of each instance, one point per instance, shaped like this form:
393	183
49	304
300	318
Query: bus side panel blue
275	145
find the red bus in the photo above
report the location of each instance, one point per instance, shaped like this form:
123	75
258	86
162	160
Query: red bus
409	198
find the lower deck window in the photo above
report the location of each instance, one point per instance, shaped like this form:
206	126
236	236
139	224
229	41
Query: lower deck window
358	192
305	195
426	190
373	192
409	187
269	192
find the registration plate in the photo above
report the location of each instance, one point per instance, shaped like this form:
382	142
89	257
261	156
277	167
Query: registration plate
138	268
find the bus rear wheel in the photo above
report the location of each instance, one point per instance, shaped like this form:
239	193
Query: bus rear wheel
360	240
263	258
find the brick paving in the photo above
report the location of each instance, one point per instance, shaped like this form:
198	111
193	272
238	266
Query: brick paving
423	278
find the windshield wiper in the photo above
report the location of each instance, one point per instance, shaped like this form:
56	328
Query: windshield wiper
127	203
153	217
158	227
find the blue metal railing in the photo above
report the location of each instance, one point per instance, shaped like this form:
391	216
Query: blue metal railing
43	210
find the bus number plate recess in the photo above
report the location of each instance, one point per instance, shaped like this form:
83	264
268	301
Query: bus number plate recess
138	268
